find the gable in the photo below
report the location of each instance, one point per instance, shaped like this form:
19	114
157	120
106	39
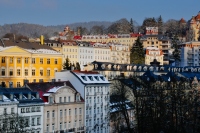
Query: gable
65	90
15	49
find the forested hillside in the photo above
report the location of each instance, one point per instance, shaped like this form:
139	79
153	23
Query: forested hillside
34	30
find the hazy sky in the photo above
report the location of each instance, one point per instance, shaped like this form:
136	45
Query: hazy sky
55	12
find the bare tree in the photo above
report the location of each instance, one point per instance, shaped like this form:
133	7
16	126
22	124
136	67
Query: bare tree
190	35
121	104
13	123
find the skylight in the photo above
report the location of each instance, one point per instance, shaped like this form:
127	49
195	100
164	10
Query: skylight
102	78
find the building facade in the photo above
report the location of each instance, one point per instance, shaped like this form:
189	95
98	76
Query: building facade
153	53
194	27
152	39
27	62
27	107
94	88
189	53
63	109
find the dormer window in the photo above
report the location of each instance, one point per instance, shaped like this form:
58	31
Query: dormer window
96	77
91	78
84	78
102	78
50	99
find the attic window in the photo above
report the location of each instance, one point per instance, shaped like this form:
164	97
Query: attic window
84	78
91	78
102	78
96	77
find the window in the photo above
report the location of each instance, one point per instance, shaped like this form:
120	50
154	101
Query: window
68	98
65	99
61	126
65	112
56	61
41	72
53	114
38	109
18	72
60	113
60	99
10	84
40	80
11	72
33	61
53	127
3	72
26	60
48	72
11	60
69	111
38	121
18	84
18	60
47	128
3	59
5	110
33	72
75	111
33	122
47	114
80	111
26	72
48	61
41	60
51	100
12	110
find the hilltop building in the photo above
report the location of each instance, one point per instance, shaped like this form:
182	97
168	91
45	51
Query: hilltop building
195	27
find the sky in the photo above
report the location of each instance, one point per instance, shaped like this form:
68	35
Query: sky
56	12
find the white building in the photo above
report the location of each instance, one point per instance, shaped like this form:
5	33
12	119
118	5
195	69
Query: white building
189	54
63	109
94	88
26	104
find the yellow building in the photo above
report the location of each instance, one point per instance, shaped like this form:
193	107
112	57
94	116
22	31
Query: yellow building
152	39
27	62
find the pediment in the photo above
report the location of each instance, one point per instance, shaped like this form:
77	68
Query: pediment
15	49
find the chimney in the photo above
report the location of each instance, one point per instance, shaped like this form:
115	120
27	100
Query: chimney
1	97
29	95
20	96
11	96
41	39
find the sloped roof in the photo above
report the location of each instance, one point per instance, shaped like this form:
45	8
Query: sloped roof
25	45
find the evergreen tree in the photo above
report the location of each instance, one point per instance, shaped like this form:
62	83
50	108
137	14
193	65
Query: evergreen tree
131	26
176	52
78	66
67	64
160	25
137	52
